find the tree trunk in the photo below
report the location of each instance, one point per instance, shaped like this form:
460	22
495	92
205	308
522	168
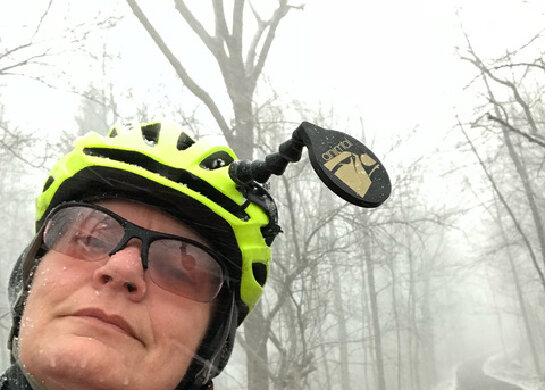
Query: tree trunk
529	192
256	350
520	298
397	325
367	333
341	319
521	170
242	140
414	339
324	351
381	380
428	340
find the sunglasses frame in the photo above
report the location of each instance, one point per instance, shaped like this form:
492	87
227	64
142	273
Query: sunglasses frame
146	237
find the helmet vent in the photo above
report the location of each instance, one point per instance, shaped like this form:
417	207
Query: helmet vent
216	160
150	132
184	141
48	183
260	273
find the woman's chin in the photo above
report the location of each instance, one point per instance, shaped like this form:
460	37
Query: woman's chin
78	363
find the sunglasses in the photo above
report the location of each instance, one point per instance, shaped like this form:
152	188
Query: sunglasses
177	264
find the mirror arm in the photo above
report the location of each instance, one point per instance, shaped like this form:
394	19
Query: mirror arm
243	172
344	164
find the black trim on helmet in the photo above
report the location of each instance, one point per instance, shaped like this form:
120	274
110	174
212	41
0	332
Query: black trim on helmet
177	175
48	183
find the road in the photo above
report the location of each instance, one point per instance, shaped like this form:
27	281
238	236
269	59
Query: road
470	376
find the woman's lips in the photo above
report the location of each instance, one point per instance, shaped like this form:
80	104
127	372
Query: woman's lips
112	319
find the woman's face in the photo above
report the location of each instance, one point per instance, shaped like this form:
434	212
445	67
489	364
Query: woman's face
83	328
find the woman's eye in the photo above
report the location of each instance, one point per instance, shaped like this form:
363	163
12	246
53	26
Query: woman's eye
180	274
177	268
89	241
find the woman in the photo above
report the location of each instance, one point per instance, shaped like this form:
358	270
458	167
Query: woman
145	261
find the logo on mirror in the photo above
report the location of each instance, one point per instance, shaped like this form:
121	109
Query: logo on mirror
351	168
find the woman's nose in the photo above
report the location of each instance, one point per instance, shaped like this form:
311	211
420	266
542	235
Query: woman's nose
123	272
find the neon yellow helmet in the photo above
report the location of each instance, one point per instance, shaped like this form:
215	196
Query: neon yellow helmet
160	163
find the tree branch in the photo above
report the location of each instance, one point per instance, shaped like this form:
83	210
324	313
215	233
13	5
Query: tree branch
213	45
42	19
524	46
280	12
272	24
515	130
26	61
221	24
15	49
252	50
507	207
526	64
238	14
484	69
200	93
19	141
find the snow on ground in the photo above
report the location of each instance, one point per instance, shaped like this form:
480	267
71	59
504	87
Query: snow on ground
513	371
448	384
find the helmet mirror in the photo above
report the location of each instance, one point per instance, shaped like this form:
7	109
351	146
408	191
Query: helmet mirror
343	163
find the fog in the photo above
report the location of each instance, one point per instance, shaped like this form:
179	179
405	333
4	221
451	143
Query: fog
443	279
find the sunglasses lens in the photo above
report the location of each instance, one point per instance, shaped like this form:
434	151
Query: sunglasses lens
174	265
184	269
82	232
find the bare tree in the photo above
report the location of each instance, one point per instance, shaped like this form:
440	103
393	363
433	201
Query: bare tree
501	117
510	124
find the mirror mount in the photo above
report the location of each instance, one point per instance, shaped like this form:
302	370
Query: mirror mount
344	164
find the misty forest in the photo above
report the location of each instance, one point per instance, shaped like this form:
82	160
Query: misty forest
441	287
